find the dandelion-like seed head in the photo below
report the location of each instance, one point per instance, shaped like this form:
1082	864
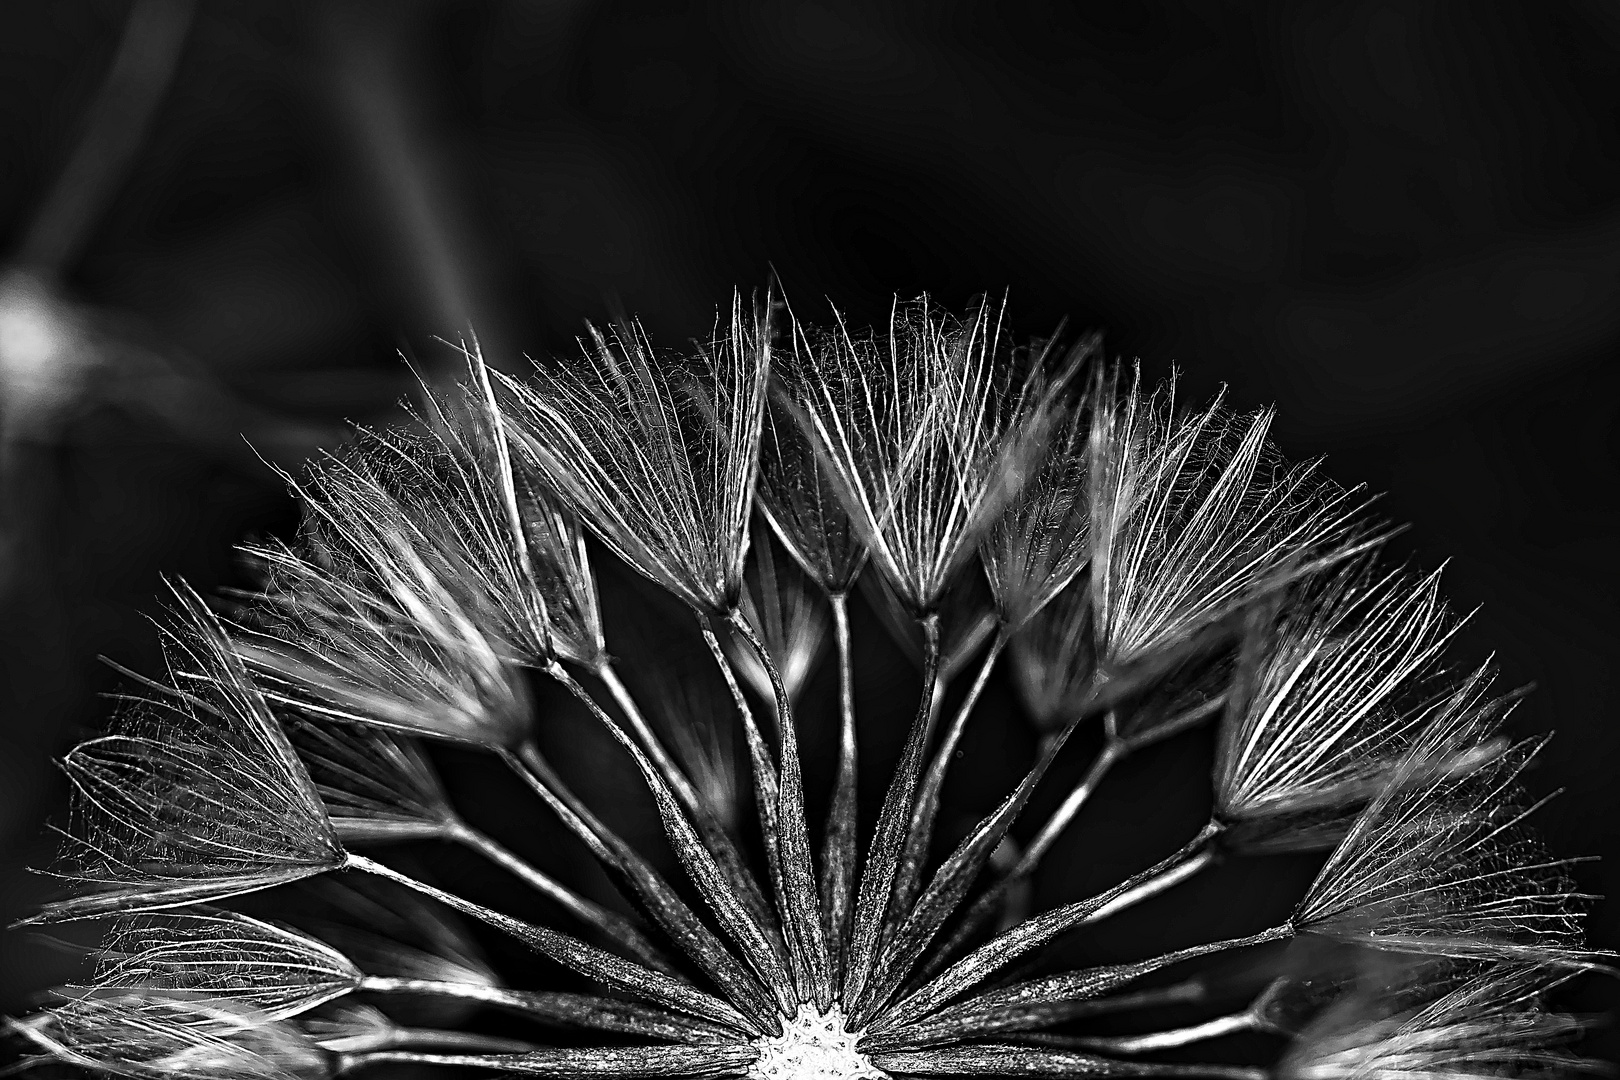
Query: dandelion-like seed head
1192	515
1145	568
1442	863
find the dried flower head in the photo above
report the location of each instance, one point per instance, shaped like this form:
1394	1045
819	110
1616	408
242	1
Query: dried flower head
1147	569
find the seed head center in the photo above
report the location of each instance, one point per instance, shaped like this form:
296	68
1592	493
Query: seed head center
813	1046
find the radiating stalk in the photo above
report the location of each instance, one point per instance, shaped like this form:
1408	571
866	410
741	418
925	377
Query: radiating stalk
668	768
1155	885
765	779
705	873
921	832
989	905
946	982
951	882
530	766
1031	1004
427	1038
1113	752
568	1063
882	862
567	1010
603	967
839	848
759	755
1187	992
1014	1059
1173	1037
639	880
715	835
614	926
793	838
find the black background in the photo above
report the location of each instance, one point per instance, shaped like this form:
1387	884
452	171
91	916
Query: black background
1399	222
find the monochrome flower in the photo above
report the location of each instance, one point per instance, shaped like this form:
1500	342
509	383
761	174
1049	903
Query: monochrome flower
1148	569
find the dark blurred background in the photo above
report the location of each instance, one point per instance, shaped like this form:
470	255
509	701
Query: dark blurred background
221	221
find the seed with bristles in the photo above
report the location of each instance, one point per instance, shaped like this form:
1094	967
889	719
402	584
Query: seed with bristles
197	795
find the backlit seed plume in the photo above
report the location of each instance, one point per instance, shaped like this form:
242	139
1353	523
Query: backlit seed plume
1191	516
788	613
365	623
153	1037
1442	862
904	421
1040	542
377	786
658	453
215	955
881	904
197	794
800	499
1326	703
541	599
1488	1024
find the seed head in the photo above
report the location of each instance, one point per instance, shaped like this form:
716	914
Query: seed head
1144	568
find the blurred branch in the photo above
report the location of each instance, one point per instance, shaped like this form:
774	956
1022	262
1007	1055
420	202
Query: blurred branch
139	77
421	221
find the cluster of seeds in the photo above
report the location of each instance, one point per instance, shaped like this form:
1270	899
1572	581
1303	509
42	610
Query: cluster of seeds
1141	568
